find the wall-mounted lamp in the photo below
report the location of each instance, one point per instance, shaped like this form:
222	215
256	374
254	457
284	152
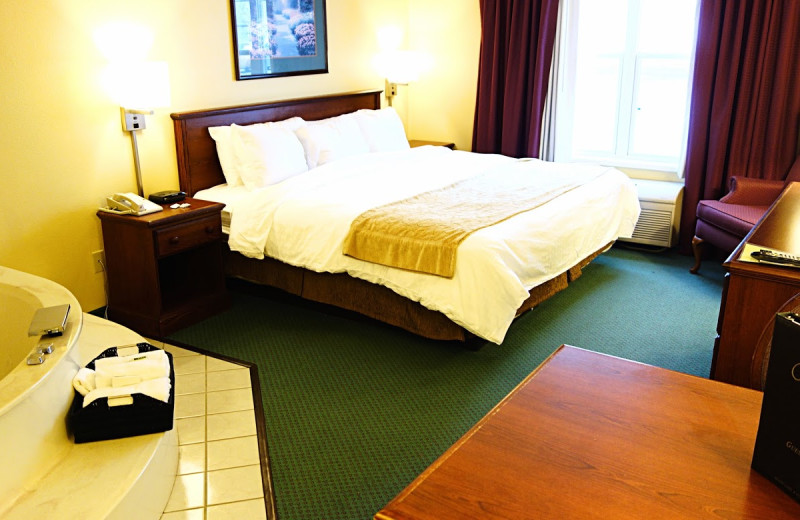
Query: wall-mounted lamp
140	87
402	67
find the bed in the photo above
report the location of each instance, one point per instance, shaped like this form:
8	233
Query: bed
597	211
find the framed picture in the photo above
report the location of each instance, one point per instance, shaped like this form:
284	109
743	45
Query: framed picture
273	38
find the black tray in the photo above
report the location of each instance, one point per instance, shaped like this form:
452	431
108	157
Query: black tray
98	421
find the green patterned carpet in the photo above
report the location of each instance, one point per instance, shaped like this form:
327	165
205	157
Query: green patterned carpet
355	409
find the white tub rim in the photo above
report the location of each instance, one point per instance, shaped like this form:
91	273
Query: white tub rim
24	378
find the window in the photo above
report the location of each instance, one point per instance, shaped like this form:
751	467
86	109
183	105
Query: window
624	76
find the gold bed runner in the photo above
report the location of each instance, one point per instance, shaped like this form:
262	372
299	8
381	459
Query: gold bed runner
422	233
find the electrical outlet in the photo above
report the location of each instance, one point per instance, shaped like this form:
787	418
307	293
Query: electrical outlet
99	261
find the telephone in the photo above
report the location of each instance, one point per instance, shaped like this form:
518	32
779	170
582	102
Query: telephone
130	204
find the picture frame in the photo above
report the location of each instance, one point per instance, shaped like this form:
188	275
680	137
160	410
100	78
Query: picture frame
274	38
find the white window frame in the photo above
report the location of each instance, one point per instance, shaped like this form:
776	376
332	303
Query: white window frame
565	99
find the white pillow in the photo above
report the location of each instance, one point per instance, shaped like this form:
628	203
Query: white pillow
291	124
266	154
333	138
227	158
222	137
383	129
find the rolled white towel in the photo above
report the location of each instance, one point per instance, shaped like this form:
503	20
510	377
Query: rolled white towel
84	381
156	388
147	365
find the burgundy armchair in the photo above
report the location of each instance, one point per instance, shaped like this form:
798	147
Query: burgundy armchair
724	223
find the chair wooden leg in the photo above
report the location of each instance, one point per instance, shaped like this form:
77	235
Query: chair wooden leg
697	248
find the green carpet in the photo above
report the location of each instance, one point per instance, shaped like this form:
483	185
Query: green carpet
355	409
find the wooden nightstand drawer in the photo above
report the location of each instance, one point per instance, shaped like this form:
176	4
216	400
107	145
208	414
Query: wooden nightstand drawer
186	236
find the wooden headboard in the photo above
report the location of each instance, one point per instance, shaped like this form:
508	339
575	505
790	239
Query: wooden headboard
198	165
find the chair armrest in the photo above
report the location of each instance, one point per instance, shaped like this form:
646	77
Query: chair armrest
753	192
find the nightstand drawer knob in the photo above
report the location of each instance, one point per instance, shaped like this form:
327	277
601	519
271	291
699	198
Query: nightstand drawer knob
210	229
174	240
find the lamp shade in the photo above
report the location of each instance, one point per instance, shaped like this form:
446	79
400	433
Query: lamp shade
139	85
401	67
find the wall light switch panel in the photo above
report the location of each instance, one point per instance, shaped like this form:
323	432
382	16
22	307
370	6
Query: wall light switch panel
134	122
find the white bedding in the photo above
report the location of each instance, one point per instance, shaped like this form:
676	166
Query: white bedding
303	221
227	195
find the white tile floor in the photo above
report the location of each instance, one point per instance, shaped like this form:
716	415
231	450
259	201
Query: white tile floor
219	471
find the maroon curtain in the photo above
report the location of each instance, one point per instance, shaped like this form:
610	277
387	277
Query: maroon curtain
516	52
745	108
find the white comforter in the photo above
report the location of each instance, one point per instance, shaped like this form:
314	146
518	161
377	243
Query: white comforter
303	221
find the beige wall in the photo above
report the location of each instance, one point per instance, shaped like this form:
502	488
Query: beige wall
61	142
442	102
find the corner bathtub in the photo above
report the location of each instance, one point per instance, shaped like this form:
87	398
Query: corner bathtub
45	474
33	398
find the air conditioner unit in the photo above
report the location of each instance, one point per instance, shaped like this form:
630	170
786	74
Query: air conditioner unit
661	213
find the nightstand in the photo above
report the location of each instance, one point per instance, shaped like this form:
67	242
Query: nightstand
165	269
418	142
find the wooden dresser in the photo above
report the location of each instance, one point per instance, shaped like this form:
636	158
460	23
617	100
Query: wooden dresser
754	292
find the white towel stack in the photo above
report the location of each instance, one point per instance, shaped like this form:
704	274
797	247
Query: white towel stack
146	373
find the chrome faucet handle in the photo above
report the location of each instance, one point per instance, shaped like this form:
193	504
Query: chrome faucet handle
36	359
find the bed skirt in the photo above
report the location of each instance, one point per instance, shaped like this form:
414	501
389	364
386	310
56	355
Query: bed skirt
375	301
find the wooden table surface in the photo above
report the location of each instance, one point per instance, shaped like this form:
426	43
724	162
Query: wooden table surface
592	436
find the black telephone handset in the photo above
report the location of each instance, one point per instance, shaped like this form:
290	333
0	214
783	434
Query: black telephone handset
774	257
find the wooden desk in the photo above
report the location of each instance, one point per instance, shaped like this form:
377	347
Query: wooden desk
592	436
753	292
